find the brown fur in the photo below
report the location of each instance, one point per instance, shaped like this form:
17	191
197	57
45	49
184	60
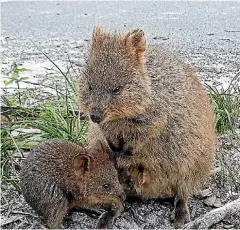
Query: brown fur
162	113
58	175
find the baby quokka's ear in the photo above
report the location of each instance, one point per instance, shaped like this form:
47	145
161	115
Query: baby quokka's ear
82	164
136	43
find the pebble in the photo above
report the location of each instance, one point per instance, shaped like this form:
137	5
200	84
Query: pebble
228	226
205	192
217	203
209	201
160	38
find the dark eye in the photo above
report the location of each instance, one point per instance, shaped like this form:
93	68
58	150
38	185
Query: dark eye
117	90
89	87
106	186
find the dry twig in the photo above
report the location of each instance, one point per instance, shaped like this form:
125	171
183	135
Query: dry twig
215	215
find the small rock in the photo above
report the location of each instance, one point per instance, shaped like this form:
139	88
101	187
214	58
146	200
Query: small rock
78	46
219	226
228	226
205	192
209	201
225	39
160	38
217	203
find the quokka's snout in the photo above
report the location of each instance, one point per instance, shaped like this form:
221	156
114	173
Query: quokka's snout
96	115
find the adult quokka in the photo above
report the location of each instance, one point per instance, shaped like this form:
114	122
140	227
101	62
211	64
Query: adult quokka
155	105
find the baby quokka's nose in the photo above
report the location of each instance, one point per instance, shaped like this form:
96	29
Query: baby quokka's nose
96	115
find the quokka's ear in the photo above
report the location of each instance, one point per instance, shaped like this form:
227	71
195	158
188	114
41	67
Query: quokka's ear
135	44
82	164
97	35
136	40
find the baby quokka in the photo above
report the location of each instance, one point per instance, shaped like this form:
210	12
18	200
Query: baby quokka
59	175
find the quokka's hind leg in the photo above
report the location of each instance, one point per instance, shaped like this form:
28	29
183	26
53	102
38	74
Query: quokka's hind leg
56	214
181	212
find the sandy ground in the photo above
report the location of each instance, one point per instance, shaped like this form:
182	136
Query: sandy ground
206	35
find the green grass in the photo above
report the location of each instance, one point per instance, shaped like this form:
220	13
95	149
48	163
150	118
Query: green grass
226	106
24	127
56	122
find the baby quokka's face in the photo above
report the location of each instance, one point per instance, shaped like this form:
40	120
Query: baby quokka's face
114	83
104	189
97	179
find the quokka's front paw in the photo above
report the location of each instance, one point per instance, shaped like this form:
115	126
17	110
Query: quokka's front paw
116	147
107	219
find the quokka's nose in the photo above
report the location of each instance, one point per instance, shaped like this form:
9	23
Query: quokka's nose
96	115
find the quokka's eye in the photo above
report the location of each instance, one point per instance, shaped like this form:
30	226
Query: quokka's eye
89	87
117	90
106	186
